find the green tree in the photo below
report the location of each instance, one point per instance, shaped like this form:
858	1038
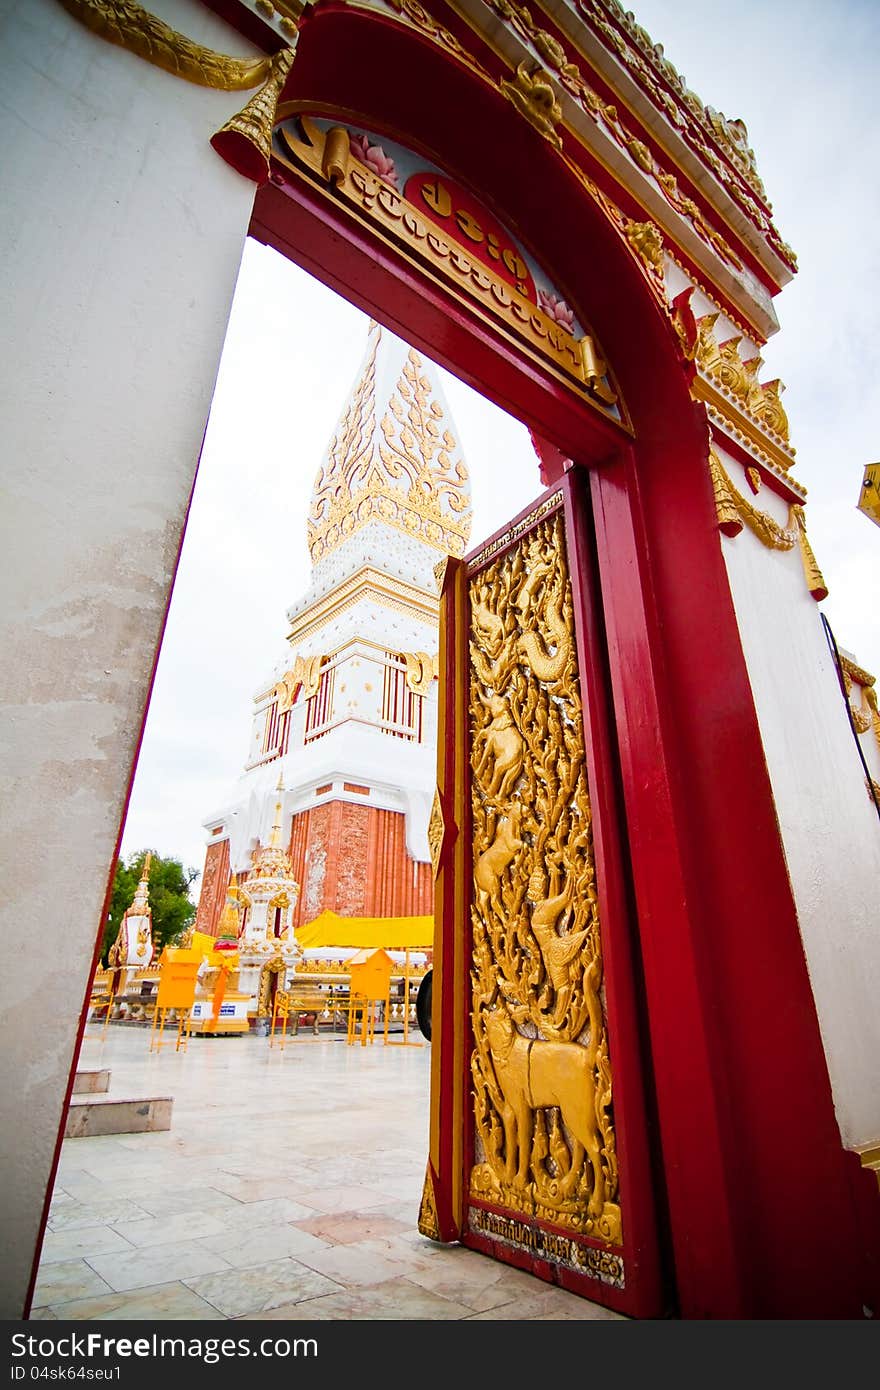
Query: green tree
168	895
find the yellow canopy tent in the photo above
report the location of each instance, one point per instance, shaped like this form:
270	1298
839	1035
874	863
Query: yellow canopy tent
394	933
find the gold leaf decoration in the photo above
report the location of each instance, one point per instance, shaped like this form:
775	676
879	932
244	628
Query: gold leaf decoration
544	1146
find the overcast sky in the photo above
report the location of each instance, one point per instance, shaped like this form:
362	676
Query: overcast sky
802	77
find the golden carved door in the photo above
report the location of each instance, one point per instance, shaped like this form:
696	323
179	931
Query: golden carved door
540	1140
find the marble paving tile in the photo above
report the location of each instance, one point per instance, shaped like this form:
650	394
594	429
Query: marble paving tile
352	1266
60	1198
249	1189
394	1301
348	1227
80	1243
340	1198
56	1283
72	1215
268	1243
171	1201
549	1305
158	1264
164	1230
262	1287
174	1302
246	1217
43	1315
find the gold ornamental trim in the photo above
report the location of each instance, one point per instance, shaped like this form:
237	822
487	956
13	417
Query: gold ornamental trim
607	116
576	362
734	511
513	533
245	140
407	473
436	832
533	96
130	26
857	673
428	1223
545	1143
422	670
727	384
721	143
305	672
367	582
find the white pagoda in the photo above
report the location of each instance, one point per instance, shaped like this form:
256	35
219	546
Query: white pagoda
343	743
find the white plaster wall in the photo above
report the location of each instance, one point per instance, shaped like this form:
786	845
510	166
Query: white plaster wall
120	242
829	825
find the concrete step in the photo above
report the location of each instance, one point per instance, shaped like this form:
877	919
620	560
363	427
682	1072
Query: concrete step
88	1082
107	1115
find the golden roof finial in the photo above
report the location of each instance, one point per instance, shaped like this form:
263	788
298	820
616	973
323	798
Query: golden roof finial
145	871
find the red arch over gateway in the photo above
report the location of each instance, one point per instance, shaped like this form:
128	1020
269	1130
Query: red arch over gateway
750	1161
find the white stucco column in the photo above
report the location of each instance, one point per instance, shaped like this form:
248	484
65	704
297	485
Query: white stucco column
120	241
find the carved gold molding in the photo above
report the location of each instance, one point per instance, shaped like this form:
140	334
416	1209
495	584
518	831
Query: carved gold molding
534	98
130	26
519	18
734	511
305	672
245	140
407	474
428	1223
738	378
436	831
866	715
421	671
577	362
701	125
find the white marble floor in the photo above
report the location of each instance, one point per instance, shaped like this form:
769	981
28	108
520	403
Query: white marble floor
287	1188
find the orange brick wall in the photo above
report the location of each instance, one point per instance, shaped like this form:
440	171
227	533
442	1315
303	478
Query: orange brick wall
353	860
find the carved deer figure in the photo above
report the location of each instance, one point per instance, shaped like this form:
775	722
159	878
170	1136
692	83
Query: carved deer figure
493	861
533	1073
502	750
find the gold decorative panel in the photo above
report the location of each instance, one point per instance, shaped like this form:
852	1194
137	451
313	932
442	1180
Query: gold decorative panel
544	1133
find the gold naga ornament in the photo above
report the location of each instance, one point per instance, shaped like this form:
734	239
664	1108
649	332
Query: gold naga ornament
545	1142
245	140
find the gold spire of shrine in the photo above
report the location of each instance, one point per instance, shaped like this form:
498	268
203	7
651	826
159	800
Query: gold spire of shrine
393	458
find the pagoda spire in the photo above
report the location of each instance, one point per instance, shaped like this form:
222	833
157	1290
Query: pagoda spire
394	459
140	900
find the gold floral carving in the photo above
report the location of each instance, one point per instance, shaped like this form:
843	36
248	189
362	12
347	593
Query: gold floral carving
737	377
646	239
858	673
577	362
812	573
720	142
275	966
867	715
428	1222
545	1141
734	511
436	831
408	474
519	18
440	572
533	96
130	26
421	670
305	672
245	140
